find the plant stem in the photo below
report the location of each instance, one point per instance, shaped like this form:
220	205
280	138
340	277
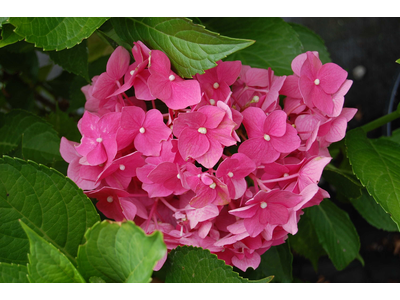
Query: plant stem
381	121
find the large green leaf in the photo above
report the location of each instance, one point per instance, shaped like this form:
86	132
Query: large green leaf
52	33
335	232
9	36
312	42
190	47
11	273
73	60
305	241
196	265
277	43
46	263
48	202
120	252
345	182
275	262
36	139
373	213
377	164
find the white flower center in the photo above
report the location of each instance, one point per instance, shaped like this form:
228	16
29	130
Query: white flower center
132	72
216	85
110	199
212	101
99	140
142	130
121	167
263	205
202	130
285	175
230	174
316	81
178	176
267	137
171	77
256	99
213	185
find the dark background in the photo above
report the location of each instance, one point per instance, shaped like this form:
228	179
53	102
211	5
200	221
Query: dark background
367	49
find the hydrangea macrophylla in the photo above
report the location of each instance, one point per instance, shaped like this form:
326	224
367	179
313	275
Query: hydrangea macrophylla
195	173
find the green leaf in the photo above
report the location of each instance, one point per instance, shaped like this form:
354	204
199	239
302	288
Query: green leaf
335	232
64	125
10	273
56	33
312	42
36	138
48	202
275	262
3	20
344	181
9	36
74	60
190	47
95	279
373	213
277	43
398	61
120	252
46	263
196	265
377	164
305	241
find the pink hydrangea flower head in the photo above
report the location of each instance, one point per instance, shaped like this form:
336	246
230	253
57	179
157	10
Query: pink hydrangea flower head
167	86
210	190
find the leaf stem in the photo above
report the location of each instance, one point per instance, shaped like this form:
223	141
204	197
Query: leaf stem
382	120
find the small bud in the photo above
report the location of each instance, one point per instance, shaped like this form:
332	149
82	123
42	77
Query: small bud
212	101
213	185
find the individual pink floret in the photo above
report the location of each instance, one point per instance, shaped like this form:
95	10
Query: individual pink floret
145	129
203	134
269	136
167	86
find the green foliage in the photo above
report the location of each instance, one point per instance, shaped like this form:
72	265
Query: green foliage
335	232
23	134
276	42
373	213
8	36
377	164
305	241
55	33
120	252
196	265
46	263
276	263
46	201
11	273
190	47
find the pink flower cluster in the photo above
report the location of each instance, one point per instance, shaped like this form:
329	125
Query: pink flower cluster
213	161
